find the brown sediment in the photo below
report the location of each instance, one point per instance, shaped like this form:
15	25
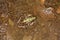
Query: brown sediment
46	26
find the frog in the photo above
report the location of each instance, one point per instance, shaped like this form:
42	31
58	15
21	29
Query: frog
29	20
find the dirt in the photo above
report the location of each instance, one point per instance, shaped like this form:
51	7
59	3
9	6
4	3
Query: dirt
45	26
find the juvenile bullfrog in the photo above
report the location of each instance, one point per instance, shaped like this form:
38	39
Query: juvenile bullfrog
29	20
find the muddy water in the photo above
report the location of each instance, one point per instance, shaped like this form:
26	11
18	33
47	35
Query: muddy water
42	20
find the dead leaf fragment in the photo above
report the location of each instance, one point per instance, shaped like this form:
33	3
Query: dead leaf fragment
11	23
